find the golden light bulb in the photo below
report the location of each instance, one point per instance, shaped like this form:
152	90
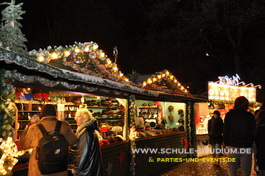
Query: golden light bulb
179	84
149	81
167	72
171	76
54	55
95	46
121	74
40	58
101	54
86	49
108	61
67	53
144	84
163	75
159	76
115	68
154	79
126	79
77	50
175	81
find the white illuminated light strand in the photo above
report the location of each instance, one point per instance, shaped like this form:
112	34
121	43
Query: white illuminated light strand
161	75
88	47
251	91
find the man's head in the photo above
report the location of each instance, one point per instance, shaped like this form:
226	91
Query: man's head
48	110
241	103
216	114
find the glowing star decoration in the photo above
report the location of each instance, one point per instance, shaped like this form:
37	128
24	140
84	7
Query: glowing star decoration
9	156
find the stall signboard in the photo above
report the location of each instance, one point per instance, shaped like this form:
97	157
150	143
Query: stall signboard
226	92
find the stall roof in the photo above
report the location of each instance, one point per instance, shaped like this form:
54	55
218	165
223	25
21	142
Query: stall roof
30	71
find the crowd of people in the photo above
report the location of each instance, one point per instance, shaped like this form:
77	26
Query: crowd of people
84	155
242	133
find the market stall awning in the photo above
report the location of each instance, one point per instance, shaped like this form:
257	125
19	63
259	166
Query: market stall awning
29	71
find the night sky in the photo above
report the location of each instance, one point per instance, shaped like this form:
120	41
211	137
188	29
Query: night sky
150	37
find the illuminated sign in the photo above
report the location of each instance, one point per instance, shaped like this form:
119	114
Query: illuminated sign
227	92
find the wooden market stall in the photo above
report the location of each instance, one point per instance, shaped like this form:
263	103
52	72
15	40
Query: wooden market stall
37	83
170	116
221	96
81	75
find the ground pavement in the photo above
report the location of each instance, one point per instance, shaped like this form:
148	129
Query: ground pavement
200	169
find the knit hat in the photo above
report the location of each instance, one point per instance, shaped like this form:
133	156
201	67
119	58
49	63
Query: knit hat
48	110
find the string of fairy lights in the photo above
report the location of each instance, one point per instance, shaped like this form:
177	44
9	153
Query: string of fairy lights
83	57
160	77
9	156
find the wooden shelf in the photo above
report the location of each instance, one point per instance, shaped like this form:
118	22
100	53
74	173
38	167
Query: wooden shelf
105	107
21	111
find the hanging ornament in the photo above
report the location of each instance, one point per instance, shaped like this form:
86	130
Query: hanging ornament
92	55
78	60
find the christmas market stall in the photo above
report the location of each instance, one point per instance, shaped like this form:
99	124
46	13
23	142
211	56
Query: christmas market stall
221	97
69	77
162	128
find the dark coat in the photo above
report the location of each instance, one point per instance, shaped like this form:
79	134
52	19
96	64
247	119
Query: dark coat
88	161
215	130
239	128
260	144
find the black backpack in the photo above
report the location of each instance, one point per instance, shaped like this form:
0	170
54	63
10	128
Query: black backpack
52	151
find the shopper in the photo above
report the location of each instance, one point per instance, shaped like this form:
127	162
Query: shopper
31	136
260	142
239	128
262	107
88	159
215	131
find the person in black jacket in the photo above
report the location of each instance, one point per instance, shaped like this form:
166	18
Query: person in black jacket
239	129
215	131
88	160
260	142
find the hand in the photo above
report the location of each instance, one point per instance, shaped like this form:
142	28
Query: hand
34	119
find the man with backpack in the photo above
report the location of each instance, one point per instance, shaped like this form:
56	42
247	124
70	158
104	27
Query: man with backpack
50	140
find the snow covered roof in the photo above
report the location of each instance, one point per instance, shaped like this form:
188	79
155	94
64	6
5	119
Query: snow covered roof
30	71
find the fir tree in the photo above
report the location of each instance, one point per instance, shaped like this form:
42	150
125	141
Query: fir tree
10	33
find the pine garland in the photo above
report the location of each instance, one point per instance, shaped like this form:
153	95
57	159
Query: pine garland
7	109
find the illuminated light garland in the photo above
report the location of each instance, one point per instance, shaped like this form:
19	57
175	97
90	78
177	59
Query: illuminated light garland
9	156
164	75
79	53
